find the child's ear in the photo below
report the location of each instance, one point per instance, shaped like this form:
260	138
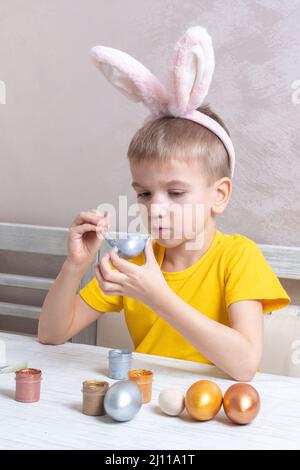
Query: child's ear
223	189
131	78
191	71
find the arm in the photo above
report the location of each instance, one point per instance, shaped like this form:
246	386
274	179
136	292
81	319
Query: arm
236	349
64	312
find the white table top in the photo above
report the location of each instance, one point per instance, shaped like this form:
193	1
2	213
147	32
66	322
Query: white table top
56	421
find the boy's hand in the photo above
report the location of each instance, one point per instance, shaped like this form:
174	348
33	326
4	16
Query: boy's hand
85	237
145	283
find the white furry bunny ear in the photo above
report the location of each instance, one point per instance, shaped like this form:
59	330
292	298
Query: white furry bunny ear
191	71
131	78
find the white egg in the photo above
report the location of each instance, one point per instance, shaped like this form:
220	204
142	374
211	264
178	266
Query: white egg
171	401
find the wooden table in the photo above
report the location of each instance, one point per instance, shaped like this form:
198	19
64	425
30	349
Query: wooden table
56	421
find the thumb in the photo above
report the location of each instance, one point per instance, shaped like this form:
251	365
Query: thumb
148	251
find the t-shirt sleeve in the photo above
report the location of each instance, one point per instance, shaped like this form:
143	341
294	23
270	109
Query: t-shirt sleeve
95	297
248	276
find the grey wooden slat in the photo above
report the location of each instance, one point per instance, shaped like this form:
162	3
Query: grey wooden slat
284	260
18	310
38	239
87	336
30	282
34	238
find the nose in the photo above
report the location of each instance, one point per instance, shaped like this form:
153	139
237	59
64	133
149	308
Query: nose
159	211
159	206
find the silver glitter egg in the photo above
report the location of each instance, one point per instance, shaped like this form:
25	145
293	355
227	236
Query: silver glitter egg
123	400
128	245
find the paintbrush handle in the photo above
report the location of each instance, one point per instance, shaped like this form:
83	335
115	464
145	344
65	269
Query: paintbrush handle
13	367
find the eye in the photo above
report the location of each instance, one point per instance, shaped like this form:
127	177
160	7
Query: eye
176	194
171	193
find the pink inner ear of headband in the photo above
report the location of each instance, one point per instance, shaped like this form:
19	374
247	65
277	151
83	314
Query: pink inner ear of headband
213	126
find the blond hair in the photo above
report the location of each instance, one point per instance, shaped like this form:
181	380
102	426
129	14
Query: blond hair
173	138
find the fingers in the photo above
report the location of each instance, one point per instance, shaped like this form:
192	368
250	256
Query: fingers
109	288
123	265
81	229
108	272
93	221
92	217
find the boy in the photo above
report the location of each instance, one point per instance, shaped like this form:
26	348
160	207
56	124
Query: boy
204	304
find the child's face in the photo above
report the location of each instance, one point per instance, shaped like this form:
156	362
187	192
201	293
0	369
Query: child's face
175	196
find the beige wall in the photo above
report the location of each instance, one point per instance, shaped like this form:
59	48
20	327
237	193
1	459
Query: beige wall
64	130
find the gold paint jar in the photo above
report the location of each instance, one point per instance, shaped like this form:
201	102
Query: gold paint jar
143	378
93	392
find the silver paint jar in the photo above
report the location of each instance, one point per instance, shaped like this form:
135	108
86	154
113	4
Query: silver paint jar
119	363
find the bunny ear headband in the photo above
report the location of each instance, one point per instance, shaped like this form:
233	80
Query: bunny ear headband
190	75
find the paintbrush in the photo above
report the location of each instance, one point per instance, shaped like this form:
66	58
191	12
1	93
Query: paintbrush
13	367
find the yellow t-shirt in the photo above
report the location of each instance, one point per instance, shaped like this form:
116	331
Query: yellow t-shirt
232	269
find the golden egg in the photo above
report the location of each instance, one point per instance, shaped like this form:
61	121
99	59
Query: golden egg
203	400
241	403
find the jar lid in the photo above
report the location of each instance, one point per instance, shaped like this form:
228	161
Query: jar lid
29	372
140	375
95	386
120	354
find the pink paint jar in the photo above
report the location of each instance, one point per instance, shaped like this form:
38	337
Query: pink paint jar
28	385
